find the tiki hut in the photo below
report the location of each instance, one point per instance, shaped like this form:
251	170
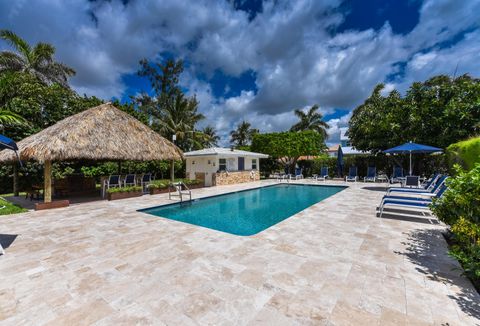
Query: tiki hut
100	133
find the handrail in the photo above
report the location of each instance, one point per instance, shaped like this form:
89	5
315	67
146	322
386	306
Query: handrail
178	187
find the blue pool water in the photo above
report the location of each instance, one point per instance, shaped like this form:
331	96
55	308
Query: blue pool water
246	212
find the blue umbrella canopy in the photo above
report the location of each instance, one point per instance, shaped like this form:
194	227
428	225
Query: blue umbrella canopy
7	143
413	148
410	148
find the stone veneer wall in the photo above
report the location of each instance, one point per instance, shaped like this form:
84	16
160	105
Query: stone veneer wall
229	178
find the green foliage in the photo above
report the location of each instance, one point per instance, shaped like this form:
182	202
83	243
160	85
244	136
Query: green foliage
437	112
163	183
460	208
170	112
243	135
10	208
325	160
312	120
124	189
38	61
39	104
159	184
290	144
465	153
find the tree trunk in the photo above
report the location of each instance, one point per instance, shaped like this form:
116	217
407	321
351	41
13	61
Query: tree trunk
15	180
47	190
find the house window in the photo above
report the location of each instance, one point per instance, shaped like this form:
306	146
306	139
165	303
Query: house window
254	163
222	164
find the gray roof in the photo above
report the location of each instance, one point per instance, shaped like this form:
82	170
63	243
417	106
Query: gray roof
221	151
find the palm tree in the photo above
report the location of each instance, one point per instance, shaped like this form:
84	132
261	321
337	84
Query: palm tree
243	135
38	60
210	137
312	120
179	118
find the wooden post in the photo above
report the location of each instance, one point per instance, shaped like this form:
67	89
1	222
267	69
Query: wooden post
172	171
15	180
47	179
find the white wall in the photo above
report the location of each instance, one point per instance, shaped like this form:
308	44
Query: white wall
210	164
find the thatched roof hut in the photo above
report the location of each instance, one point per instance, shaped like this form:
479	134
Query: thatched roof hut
100	133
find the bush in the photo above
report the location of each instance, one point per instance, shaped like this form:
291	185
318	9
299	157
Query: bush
466	153
460	208
158	184
124	189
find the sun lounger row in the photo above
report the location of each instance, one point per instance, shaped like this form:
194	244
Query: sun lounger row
414	199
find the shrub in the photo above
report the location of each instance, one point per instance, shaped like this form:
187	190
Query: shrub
124	189
465	153
158	184
460	208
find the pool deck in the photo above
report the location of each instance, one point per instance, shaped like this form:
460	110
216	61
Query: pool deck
334	263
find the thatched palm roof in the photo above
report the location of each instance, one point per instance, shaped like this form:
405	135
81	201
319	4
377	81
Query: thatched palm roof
100	133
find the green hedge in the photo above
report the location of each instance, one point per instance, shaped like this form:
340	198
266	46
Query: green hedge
466	153
460	208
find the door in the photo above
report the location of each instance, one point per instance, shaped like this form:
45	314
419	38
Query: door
241	163
208	179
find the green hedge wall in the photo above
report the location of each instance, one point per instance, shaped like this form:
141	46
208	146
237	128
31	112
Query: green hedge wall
466	153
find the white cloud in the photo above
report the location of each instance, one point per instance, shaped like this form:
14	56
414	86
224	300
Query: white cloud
297	58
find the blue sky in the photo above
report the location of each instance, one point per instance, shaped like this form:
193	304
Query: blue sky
257	60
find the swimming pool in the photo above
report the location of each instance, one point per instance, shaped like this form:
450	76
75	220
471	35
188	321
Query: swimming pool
246	212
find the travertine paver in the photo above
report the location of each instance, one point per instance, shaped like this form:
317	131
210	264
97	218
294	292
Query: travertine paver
334	263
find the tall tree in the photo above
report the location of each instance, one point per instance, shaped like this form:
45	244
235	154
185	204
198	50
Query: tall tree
38	60
312	120
170	112
437	112
242	136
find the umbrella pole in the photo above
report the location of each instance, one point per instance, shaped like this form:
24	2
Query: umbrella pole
47	190
15	180
410	163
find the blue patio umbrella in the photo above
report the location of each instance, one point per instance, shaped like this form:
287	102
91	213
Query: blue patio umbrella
410	148
7	143
340	161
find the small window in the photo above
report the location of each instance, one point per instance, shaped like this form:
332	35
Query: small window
254	163
222	164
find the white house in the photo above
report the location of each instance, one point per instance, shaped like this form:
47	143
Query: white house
219	166
347	148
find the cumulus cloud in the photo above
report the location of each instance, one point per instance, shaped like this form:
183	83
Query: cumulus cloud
292	47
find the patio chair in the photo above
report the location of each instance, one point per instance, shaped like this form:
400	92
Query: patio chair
371	174
412	181
298	174
352	174
417	197
323	173
145	181
397	175
129	180
113	181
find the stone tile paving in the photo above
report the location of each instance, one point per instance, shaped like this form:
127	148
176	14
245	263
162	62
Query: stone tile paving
334	263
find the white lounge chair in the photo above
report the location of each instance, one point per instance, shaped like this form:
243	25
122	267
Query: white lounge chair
352	174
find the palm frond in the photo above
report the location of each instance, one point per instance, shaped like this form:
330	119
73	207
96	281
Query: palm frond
9	118
16	42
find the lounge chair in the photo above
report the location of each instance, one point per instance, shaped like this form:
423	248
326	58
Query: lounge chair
113	181
397	175
298	174
410	203
422	191
371	174
129	180
352	174
323	173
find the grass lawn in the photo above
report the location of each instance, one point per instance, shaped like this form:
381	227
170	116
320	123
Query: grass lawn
10	208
